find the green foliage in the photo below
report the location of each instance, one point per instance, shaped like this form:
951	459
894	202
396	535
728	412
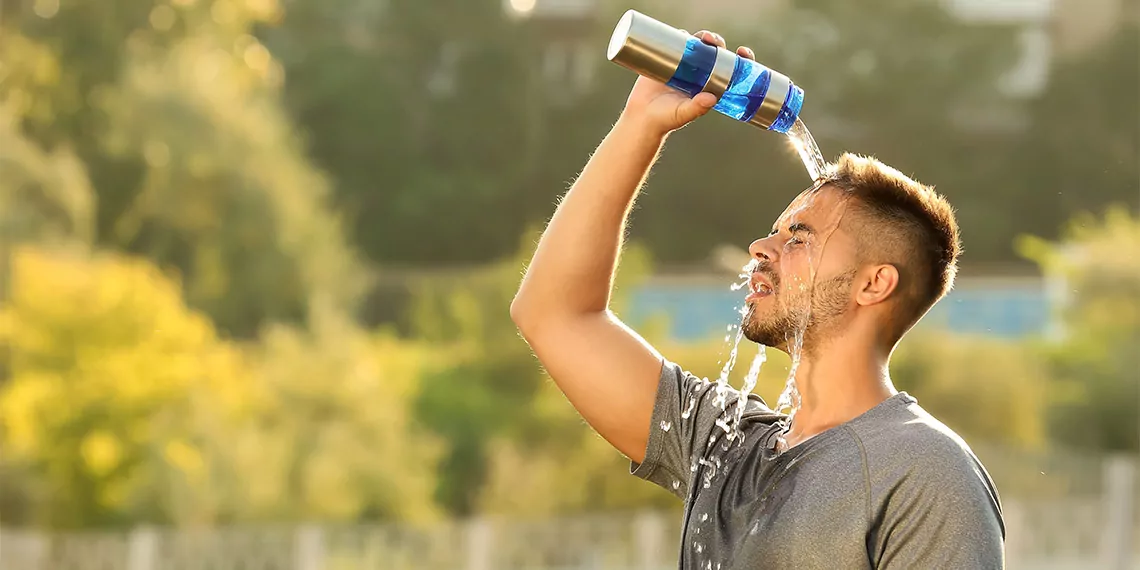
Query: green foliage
119	399
226	194
419	118
1082	157
43	194
122	405
337	440
1096	367
987	390
173	109
491	403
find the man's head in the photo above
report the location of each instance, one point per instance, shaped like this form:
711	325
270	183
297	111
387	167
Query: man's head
865	246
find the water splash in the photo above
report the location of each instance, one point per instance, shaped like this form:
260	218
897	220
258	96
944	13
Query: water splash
808	150
746	388
722	386
689	411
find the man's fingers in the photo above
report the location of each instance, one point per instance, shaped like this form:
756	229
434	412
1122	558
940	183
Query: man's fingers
711	38
746	52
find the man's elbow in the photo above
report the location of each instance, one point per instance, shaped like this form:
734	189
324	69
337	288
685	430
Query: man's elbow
530	314
525	313
518	311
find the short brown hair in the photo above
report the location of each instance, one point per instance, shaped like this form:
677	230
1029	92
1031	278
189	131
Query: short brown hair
904	223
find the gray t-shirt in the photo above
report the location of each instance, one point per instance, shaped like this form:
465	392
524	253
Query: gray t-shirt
893	488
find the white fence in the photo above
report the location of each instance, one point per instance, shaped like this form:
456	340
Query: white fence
1094	524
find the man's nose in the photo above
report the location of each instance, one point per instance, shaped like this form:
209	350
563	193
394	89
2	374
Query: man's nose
763	250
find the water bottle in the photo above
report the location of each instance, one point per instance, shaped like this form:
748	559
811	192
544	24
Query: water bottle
746	91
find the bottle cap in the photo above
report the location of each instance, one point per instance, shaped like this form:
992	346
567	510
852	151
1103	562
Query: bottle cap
647	47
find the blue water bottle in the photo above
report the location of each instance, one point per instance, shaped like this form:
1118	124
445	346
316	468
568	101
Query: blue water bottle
746	90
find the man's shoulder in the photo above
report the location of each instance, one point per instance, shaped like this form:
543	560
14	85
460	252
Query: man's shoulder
909	437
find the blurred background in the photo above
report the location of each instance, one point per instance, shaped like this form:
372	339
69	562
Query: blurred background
256	258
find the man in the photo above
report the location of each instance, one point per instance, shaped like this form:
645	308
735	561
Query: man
862	477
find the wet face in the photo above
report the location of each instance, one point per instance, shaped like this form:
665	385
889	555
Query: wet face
801	274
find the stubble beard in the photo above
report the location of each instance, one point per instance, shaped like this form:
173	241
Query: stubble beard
806	319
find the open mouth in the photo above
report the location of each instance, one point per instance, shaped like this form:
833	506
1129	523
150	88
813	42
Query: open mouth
759	285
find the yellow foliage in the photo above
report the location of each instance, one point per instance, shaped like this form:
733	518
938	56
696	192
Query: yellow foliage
121	402
342	439
102	452
105	362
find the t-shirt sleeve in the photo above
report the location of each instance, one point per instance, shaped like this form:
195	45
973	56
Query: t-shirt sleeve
684	416
942	517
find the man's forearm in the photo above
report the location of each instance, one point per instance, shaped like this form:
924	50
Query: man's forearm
573	267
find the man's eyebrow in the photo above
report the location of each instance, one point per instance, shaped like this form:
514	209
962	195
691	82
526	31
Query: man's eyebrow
795	227
799	227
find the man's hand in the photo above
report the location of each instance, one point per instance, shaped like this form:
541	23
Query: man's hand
662	109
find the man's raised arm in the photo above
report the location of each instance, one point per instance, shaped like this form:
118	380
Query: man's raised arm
608	372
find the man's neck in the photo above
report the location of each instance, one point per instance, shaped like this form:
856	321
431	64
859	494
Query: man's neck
837	385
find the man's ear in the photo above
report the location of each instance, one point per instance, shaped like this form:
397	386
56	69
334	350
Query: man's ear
876	284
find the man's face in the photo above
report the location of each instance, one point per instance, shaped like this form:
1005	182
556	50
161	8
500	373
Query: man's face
801	274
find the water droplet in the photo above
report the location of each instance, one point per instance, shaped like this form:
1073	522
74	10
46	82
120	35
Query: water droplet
688	411
665	426
704	517
676	484
699	546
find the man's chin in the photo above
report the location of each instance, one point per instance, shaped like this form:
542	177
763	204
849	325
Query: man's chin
765	337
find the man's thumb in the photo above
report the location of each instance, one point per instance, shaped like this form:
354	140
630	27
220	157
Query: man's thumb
696	107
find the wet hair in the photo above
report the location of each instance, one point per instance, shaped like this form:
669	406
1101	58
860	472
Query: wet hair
904	223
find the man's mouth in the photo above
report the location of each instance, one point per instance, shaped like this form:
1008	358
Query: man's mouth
759	286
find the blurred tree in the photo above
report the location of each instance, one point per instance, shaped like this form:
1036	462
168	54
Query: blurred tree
488	383
988	391
1095	365
119	399
43	195
123	406
1080	156
416	108
465	128
338	437
173	109
485	397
